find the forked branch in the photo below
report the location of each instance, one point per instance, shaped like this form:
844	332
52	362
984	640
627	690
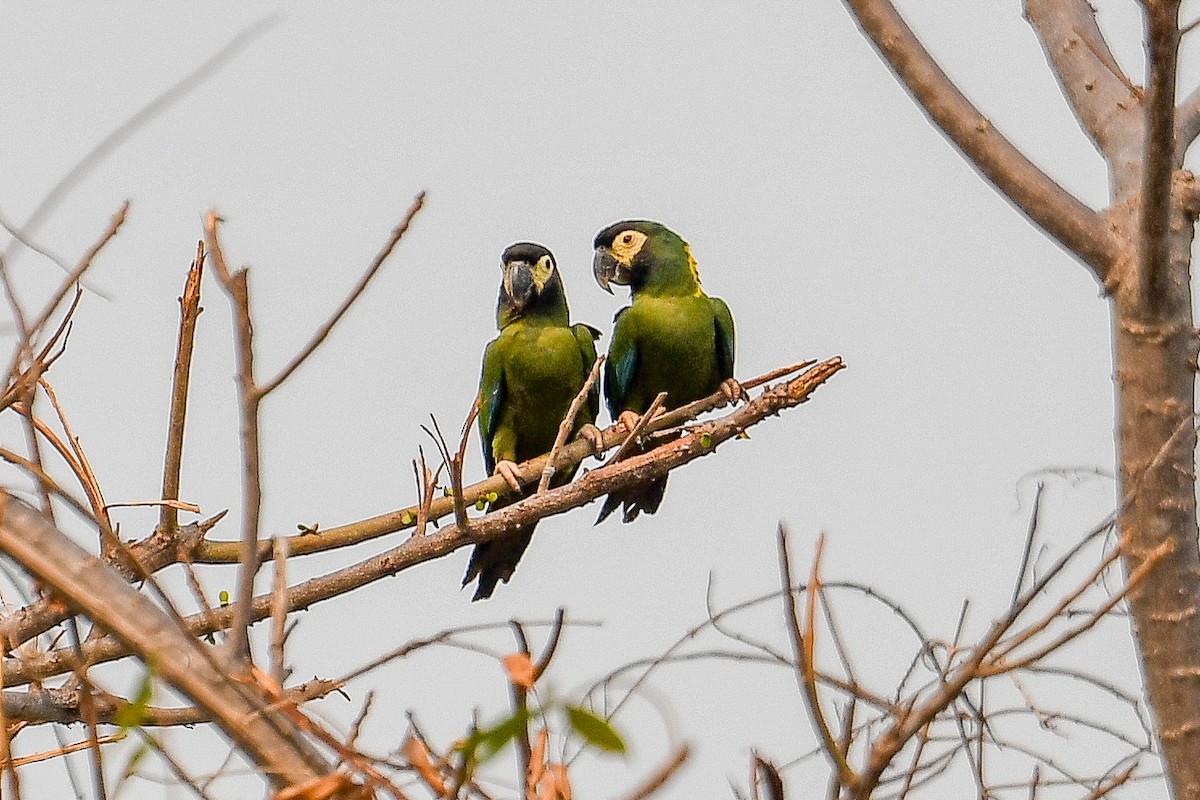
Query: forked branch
1077	227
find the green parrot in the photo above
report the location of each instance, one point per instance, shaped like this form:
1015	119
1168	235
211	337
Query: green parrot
672	337
531	373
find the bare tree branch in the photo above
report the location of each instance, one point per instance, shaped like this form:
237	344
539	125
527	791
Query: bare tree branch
803	649
1162	39
1187	124
226	552
237	286
1104	100
84	264
140	119
189	313
322	332
1078	228
175	656
419	549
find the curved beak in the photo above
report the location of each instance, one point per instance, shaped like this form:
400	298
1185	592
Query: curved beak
518	283
608	269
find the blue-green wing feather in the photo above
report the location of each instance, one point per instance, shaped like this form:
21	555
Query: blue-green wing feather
723	319
491	400
586	336
621	365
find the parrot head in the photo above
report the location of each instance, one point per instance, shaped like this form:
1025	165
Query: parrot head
642	254
530	282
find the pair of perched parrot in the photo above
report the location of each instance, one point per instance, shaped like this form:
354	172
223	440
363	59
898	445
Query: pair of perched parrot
672	338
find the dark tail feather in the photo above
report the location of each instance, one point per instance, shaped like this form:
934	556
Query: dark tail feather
641	498
496	561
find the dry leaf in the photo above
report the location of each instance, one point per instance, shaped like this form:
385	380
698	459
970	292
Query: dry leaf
320	789
520	670
556	785
537	764
417	753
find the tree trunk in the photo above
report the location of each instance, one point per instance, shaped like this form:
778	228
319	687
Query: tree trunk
1155	353
1140	250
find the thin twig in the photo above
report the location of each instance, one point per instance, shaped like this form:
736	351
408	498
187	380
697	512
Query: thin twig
44	478
805	670
520	707
141	118
660	776
1034	518
568	424
322	332
453	467
189	313
114	225
1137	576
556	630
226	552
236	285
279	612
87	477
643	421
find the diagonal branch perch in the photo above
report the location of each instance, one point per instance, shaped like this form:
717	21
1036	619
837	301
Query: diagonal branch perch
226	552
638	469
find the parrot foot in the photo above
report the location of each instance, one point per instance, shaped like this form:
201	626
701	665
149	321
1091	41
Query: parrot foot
591	434
733	390
629	419
508	471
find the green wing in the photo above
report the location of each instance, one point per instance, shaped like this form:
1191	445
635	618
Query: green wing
586	336
725	338
491	398
621	365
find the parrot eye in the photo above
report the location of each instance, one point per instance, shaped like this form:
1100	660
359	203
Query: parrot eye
628	244
542	271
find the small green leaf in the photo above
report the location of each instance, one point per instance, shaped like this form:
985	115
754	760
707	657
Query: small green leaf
485	743
743	435
480	504
407	518
223	597
492	497
447	491
133	713
595	730
706	440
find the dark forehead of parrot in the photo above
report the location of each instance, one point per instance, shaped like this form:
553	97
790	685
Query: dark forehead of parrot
605	237
525	251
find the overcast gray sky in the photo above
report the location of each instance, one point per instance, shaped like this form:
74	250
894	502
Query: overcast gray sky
818	201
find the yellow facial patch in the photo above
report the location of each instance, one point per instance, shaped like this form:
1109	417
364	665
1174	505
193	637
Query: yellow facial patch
695	270
542	271
627	245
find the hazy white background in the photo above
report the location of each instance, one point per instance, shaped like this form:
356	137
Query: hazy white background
818	200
